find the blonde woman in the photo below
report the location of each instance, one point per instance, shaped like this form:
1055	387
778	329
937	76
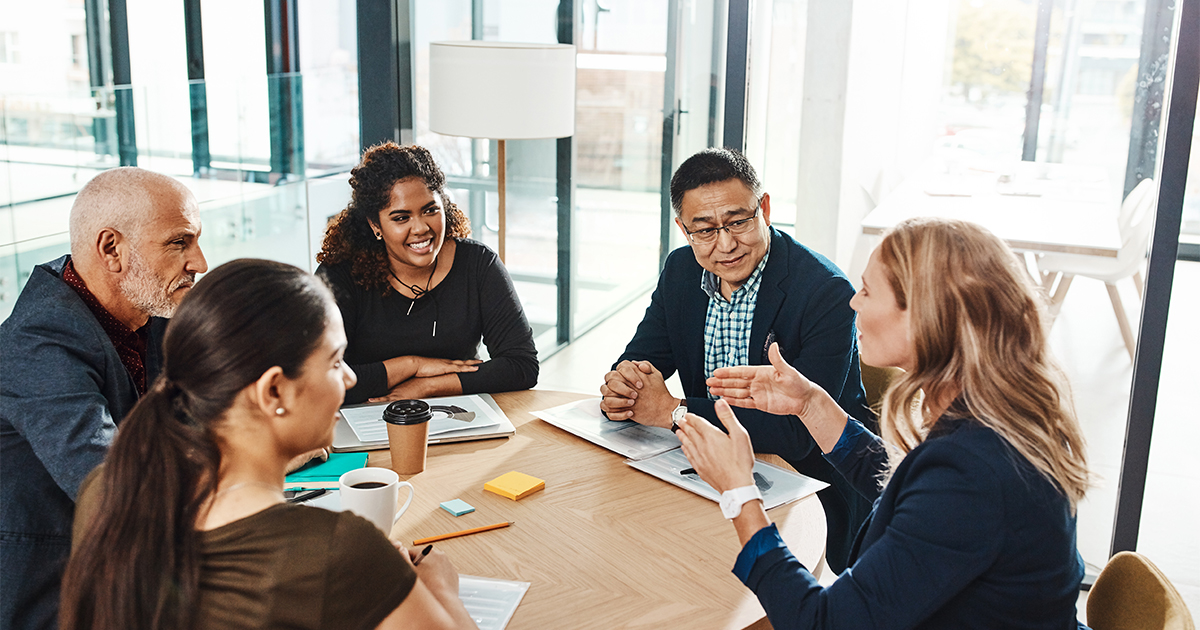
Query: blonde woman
976	489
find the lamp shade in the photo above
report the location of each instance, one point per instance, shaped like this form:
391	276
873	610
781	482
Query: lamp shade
502	90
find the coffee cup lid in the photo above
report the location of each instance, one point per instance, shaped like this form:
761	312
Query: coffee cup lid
407	412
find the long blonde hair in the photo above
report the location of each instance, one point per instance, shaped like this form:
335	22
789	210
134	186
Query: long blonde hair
978	329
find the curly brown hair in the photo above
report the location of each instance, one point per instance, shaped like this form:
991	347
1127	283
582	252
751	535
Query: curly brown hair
349	235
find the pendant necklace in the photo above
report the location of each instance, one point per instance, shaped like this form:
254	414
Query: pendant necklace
416	290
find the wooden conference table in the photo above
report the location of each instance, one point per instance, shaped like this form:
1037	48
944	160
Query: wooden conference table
604	545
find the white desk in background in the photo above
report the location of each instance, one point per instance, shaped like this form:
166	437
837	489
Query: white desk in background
1034	206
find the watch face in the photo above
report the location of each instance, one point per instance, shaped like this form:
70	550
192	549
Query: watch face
678	413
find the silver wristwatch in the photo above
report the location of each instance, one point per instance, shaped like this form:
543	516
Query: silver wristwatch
677	414
733	500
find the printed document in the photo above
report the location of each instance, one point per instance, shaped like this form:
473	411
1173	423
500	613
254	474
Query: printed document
778	486
627	438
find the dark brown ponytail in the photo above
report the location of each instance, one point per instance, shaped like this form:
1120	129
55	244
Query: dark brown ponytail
138	563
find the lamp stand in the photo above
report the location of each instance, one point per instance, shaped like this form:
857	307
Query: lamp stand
500	190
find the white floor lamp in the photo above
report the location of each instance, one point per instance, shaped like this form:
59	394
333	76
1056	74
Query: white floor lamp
502	91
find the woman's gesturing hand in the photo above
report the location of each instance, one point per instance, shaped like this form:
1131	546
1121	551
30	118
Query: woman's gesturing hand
777	388
722	461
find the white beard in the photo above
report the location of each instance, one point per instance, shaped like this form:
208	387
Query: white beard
146	290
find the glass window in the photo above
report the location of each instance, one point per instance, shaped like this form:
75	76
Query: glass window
329	65
934	105
235	70
1171	506
617	144
161	103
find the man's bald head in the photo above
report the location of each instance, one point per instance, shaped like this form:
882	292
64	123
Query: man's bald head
134	243
124	199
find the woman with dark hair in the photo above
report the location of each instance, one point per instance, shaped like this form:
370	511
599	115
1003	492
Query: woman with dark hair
185	526
979	469
416	294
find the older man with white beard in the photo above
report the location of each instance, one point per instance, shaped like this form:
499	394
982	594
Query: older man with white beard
82	344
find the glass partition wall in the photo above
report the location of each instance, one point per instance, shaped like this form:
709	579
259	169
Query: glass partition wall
57	131
617	148
255	108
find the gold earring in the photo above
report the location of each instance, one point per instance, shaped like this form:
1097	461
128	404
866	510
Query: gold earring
379	236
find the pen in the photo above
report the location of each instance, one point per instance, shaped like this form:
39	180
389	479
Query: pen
688	471
424	552
312	494
464	532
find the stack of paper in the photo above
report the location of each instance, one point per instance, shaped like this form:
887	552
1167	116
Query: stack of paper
656	451
490	602
778	486
628	438
455	418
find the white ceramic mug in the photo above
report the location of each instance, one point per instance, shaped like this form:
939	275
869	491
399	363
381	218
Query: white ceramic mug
377	504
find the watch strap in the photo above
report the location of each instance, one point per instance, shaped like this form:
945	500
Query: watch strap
733	500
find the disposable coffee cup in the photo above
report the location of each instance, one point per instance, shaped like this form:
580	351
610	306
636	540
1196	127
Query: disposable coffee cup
408	434
373	493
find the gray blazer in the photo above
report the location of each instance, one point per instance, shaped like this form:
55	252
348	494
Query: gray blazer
63	390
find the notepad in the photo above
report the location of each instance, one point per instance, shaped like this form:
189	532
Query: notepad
514	485
326	472
457	507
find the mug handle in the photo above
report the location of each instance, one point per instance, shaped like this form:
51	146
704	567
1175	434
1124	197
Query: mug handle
411	492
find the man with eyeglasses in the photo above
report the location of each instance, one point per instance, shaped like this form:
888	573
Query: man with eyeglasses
743	286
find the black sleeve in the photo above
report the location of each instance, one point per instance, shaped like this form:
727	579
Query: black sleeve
372	377
513	363
651	341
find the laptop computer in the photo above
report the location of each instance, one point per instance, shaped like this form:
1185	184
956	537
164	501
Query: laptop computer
456	419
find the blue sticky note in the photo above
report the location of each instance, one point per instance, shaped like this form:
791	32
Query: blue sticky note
457	507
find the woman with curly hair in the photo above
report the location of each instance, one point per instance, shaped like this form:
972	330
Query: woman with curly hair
979	468
415	293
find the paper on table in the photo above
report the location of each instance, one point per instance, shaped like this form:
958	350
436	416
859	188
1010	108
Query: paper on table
778	486
331	500
490	602
583	418
368	425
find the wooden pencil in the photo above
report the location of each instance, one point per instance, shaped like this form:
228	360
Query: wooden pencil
474	530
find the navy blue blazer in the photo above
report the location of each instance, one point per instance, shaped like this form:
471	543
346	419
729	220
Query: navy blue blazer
63	392
803	303
966	534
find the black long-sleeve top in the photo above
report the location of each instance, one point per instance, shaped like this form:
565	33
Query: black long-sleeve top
476	300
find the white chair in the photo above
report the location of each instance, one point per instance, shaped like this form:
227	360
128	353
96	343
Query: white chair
1135	222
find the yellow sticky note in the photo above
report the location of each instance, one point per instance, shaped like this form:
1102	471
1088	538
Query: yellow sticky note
514	485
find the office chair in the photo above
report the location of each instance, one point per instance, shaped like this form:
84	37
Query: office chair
1131	593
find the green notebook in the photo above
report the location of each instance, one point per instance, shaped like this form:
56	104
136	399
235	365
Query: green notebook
332	470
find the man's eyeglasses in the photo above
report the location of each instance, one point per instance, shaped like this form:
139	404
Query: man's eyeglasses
707	236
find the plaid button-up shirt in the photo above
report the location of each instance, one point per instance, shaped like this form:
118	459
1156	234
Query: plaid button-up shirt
727	323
